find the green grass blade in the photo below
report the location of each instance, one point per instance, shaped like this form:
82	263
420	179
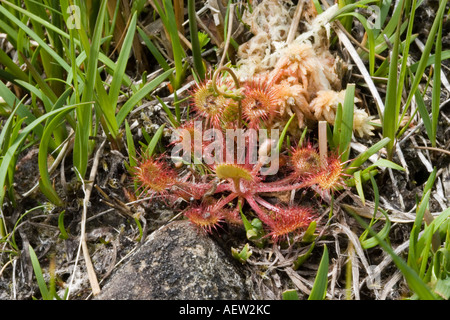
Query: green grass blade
347	122
370	38
139	95
39	276
173	122
383	234
154	51
63	232
84	113
22	111
13	68
290	295
350	7
391	114
431	60
436	92
424	114
152	145
319	289
130	146
121	63
386	164
359	187
196	50
44	182
283	133
364	156
167	15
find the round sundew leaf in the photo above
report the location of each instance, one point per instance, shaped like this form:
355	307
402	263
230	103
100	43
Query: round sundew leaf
227	171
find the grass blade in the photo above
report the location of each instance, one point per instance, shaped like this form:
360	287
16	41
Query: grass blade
390	115
45	293
319	289
436	92
347	122
363	157
139	95
84	113
44	181
152	145
196	50
168	17
121	64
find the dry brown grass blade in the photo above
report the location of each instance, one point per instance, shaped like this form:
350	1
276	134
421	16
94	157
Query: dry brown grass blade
433	149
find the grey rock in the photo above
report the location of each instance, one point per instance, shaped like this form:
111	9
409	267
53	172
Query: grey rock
177	262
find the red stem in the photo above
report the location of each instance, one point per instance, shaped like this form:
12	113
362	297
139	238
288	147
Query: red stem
289	187
224	201
255	207
266	204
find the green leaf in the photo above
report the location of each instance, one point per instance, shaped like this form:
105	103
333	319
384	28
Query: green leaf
383	234
130	145
61	227
173	122
39	276
309	236
283	133
44	181
442	288
391	112
436	92
319	289
242	255
139	95
168	17
152	145
387	164
154	51
424	114
34	36
302	258
121	64
426	53
290	295
83	112
364	156
196	49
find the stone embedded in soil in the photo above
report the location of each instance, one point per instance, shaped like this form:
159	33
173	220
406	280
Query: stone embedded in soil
176	262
